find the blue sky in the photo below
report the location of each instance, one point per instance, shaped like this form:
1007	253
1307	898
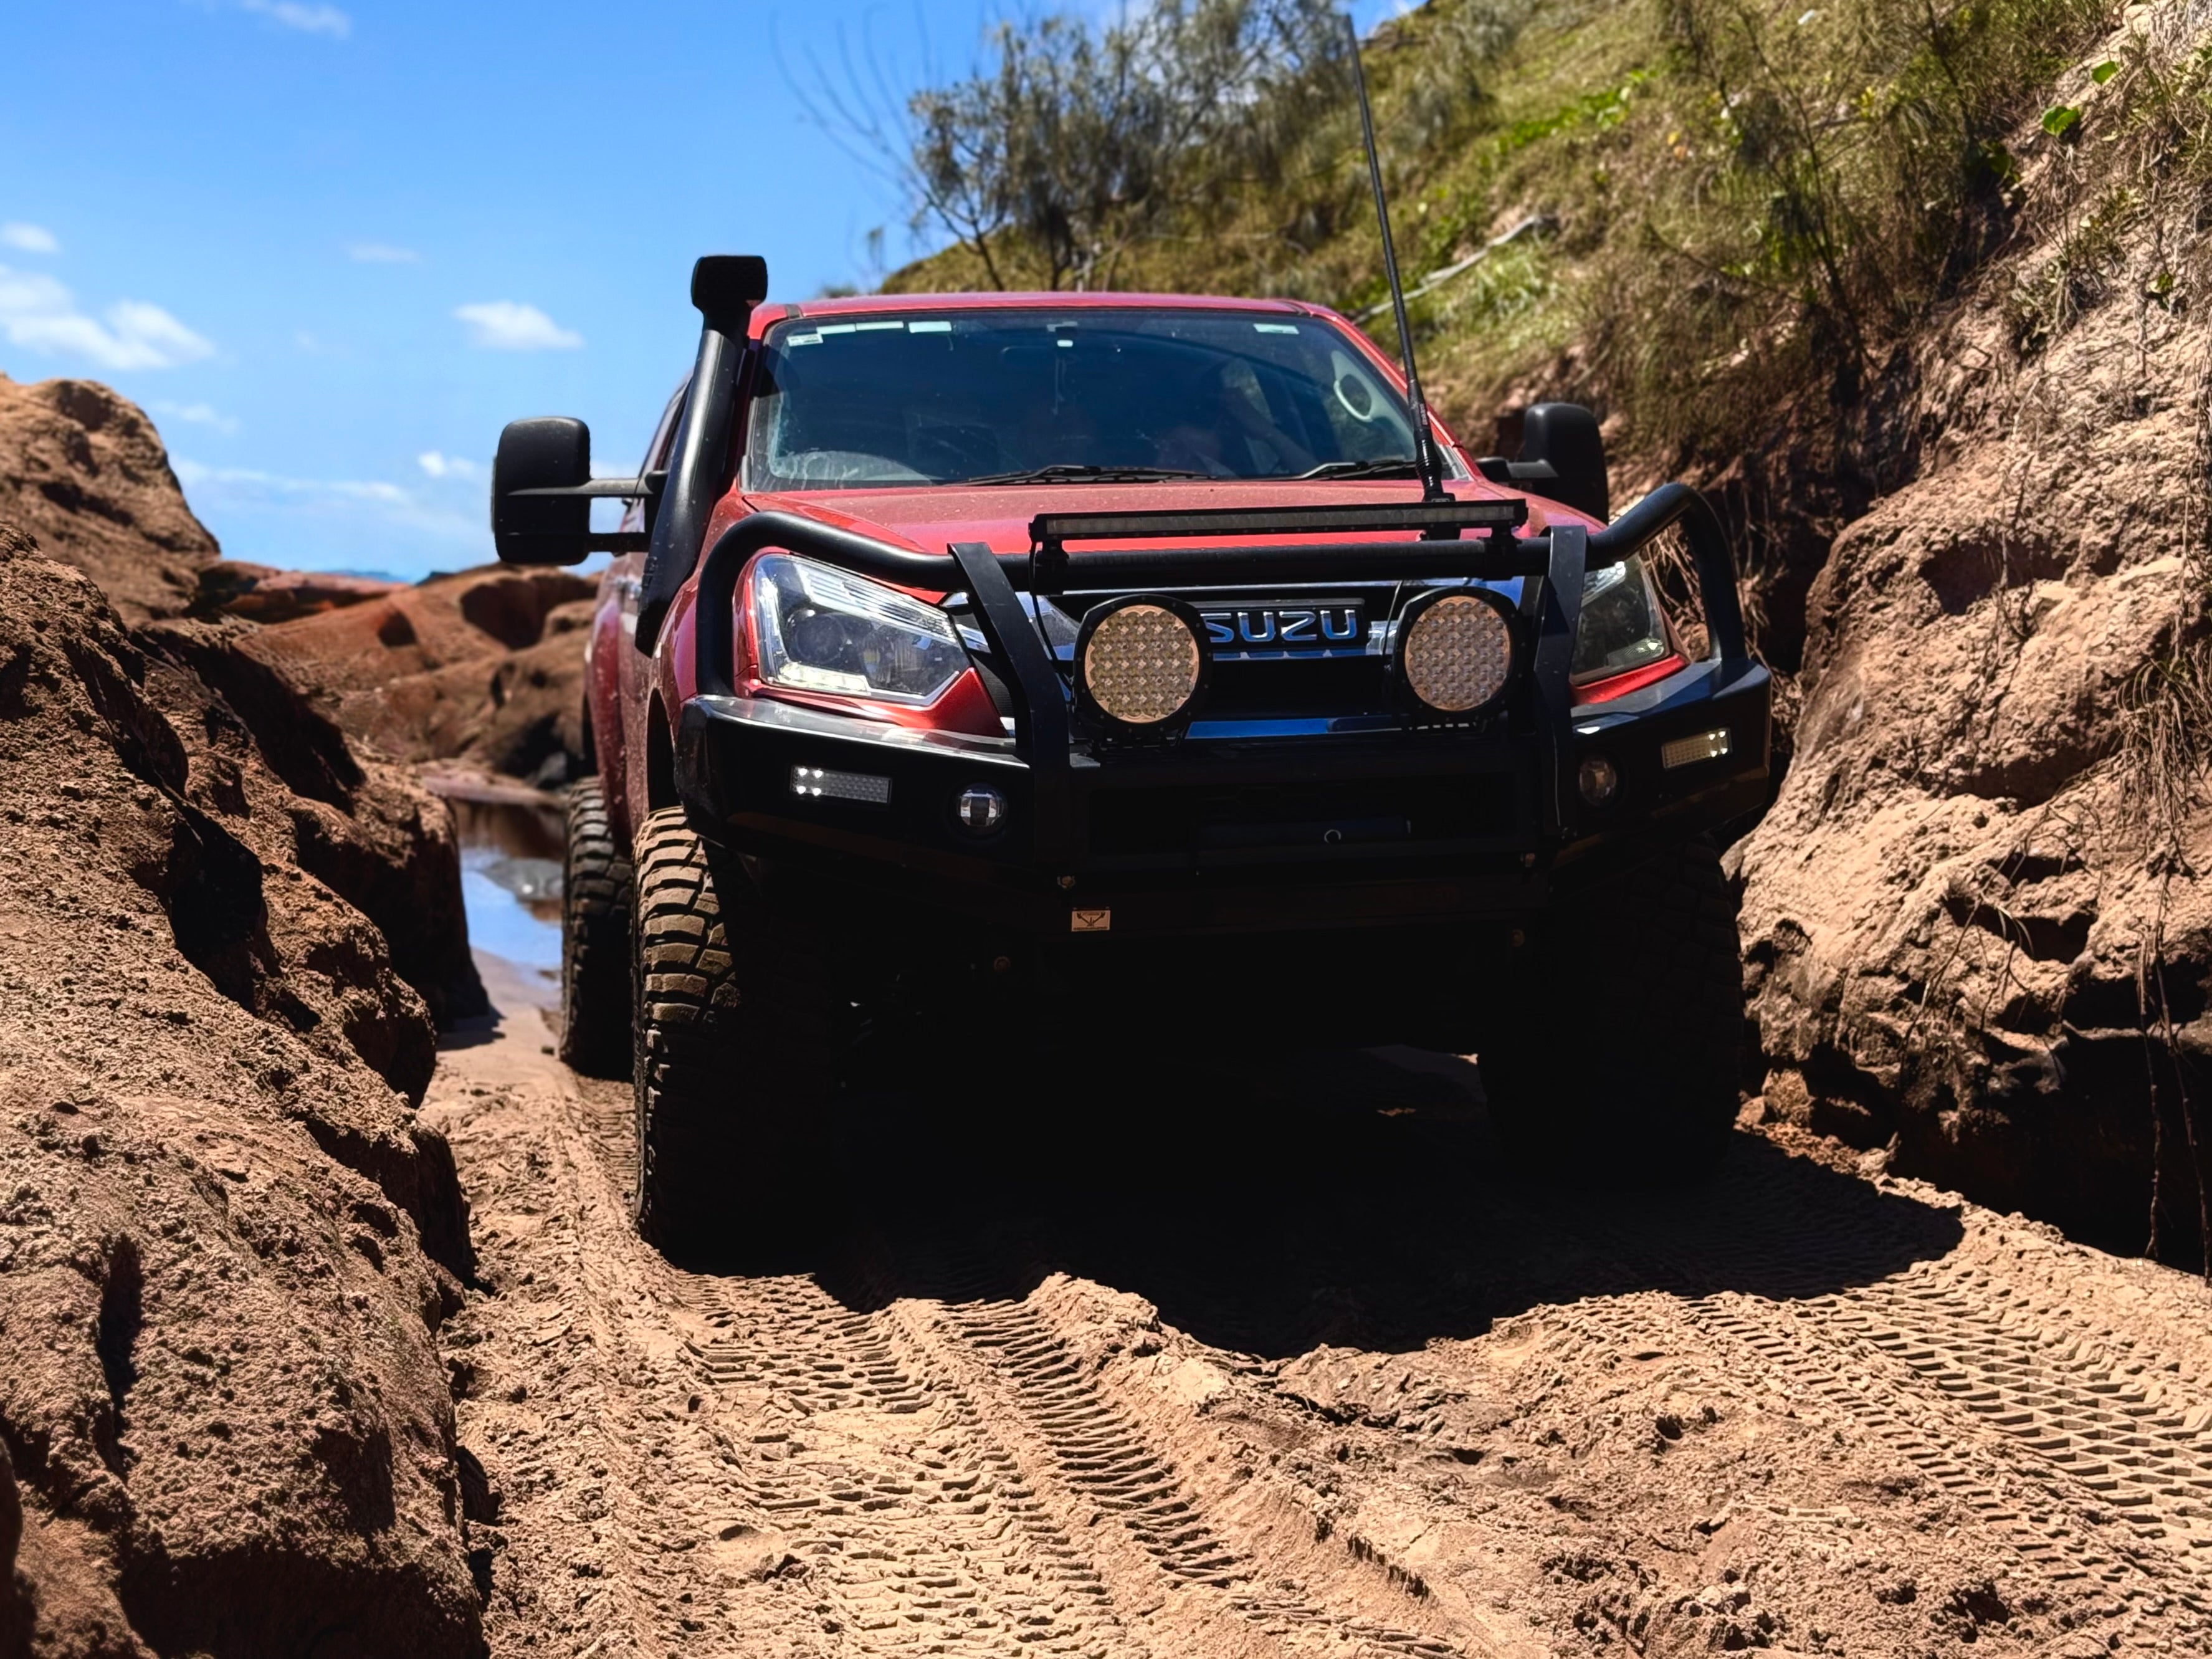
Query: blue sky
332	247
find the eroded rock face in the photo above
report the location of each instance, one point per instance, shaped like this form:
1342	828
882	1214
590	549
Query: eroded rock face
225	1242
484	668
83	471
360	826
263	593
1969	926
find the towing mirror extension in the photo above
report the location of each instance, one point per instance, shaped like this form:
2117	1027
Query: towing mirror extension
542	491
1563	452
542	488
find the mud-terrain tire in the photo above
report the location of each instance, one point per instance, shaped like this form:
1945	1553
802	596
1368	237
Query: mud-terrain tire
736	1055
1618	1056
596	883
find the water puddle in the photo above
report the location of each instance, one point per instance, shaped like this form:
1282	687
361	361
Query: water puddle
511	880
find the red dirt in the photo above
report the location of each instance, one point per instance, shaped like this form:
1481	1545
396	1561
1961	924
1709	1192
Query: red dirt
225	1242
1276	1359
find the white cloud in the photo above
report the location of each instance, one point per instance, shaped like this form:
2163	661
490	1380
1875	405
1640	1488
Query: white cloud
39	314
363	506
446	466
504	326
382	254
251	480
196	414
309	19
29	239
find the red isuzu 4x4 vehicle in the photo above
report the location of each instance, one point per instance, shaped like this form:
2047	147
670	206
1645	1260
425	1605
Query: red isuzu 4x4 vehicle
1097	668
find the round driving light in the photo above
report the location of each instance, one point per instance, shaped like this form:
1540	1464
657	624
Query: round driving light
981	809
1456	650
1598	781
1139	662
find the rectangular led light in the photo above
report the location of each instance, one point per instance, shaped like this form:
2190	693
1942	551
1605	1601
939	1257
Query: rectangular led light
816	783
1688	751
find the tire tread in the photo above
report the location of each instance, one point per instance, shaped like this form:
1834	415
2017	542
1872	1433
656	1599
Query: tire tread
595	922
733	1049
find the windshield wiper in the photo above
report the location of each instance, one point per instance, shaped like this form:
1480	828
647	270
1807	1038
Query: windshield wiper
1079	472
1403	467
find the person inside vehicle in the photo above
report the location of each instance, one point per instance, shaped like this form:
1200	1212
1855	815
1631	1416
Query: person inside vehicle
1230	432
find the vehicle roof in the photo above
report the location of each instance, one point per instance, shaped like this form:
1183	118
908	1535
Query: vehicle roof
875	305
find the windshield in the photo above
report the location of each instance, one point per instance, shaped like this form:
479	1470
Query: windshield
1002	395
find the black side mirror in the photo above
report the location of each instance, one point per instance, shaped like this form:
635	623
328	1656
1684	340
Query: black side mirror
1564	436
552	452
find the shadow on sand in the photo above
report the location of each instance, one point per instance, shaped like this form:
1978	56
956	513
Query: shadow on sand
1272	1206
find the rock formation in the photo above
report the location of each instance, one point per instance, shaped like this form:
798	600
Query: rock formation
263	593
225	1242
484	669
84	472
1976	923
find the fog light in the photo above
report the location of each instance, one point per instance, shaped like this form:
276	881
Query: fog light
817	784
1599	781
1688	751
981	809
1456	650
1139	662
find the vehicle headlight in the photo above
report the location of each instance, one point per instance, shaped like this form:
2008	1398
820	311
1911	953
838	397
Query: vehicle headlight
1141	662
820	629
1456	650
1622	627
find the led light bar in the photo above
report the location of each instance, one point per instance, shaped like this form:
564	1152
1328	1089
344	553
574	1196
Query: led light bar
1688	751
817	784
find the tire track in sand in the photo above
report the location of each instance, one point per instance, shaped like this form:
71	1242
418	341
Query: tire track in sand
916	1528
922	1447
2064	1439
939	1455
969	1533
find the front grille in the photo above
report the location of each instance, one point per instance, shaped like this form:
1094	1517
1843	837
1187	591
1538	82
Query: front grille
1280	688
1185	818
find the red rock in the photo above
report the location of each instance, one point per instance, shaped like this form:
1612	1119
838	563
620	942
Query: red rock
83	471
228	1240
262	594
484	668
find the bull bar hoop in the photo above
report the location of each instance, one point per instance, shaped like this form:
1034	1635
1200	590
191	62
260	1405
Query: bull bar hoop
1558	560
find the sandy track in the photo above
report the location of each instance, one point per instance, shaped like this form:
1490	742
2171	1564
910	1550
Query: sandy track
1281	1363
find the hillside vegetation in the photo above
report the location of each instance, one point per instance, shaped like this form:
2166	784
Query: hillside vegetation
1717	222
1699	198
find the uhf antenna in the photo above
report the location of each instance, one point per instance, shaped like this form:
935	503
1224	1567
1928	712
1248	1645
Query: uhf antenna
1426	458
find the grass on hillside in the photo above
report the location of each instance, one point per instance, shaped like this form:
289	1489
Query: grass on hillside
1729	208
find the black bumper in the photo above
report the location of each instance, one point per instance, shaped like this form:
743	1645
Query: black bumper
1229	837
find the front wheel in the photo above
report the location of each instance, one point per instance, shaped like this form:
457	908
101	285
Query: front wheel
736	1056
1618	1053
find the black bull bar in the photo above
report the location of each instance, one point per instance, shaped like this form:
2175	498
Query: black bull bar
1044	761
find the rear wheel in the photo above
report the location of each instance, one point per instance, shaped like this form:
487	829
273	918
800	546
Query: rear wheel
736	1052
595	901
1618	1055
